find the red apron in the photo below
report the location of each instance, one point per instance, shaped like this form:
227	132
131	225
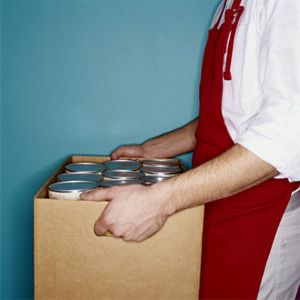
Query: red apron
239	230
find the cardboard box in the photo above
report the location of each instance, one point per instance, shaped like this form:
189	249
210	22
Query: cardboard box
71	262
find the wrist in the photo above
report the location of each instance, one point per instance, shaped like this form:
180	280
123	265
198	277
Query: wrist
164	195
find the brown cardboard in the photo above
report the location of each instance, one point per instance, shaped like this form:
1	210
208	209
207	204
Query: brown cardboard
71	262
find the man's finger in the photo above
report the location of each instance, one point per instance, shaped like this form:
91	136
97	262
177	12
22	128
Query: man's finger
119	152
98	194
100	228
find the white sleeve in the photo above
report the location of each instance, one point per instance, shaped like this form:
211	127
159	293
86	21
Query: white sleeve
274	133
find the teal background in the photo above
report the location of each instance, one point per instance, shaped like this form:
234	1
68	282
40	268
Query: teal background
85	76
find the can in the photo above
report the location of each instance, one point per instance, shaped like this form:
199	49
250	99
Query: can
157	170
161	162
154	178
85	167
120	175
79	176
122	164
112	183
70	190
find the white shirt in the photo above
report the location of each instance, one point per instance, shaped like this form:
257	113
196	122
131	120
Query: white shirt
261	105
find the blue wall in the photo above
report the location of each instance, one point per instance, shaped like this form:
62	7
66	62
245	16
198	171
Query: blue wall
84	76
1	211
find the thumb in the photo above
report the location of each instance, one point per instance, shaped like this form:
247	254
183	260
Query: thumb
100	227
98	194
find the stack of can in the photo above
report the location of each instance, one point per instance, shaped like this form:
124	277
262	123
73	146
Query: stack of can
155	170
83	177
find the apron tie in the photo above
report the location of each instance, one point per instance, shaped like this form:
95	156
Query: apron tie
232	17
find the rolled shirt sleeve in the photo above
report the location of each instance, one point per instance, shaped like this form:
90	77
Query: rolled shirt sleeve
274	133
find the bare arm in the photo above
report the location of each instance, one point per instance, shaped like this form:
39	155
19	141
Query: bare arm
179	141
230	173
176	142
137	212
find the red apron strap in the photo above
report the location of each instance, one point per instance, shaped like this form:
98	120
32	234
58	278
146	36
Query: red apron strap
234	16
221	14
236	4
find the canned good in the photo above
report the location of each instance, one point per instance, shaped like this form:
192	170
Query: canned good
153	178
111	183
79	176
157	170
122	164
85	167
70	190
147	183
120	175
161	162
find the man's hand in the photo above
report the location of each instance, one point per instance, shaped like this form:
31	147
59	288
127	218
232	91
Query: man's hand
130	151
134	213
179	141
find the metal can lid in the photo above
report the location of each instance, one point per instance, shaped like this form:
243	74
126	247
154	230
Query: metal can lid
122	164
159	175
72	186
148	183
79	176
111	183
121	174
85	167
161	170
162	162
154	179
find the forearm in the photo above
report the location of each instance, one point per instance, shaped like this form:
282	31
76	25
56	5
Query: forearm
146	208
230	173
179	141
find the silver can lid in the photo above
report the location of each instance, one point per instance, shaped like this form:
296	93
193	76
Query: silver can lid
79	176
121	174
162	162
72	186
111	183
85	167
161	170
122	164
157	178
